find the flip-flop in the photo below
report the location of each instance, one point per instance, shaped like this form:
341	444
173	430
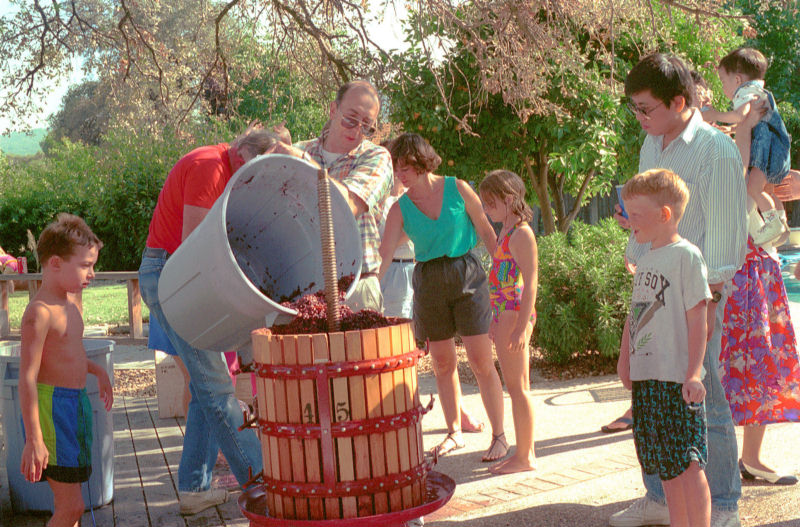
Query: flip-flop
608	429
449	444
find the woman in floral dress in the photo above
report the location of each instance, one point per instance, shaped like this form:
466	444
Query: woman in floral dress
759	363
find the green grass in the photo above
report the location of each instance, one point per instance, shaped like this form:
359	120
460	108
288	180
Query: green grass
102	304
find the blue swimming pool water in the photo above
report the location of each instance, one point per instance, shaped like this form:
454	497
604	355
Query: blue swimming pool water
792	284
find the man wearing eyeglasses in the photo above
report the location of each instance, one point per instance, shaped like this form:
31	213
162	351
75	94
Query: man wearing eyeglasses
659	90
360	169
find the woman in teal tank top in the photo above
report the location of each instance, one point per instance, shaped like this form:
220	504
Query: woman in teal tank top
443	216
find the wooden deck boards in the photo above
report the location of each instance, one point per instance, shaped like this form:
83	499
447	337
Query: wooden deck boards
147	451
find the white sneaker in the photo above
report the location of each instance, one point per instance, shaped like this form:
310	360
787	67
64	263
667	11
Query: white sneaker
725	518
772	228
783	237
416	522
643	511
194	502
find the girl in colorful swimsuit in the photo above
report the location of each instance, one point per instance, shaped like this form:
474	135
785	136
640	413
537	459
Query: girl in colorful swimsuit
512	292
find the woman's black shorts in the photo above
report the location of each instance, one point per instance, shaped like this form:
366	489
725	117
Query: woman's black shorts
451	296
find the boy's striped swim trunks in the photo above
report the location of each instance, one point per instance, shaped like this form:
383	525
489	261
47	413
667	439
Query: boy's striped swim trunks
65	417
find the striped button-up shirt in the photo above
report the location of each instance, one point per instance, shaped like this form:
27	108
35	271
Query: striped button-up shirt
367	172
715	218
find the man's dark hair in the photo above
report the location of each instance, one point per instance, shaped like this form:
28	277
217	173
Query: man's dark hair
415	151
745	61
665	76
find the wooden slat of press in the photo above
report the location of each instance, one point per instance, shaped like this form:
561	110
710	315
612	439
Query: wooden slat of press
282	415
343	412
416	399
295	416
308	405
130	504
414	431
260	338
272	415
388	406
358	409
399	347
319	343
377	450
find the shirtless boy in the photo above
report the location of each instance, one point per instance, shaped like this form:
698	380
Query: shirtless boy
56	412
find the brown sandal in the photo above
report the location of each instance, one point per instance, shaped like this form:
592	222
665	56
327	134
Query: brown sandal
449	444
499	439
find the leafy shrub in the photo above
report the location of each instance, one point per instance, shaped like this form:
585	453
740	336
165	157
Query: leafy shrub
134	169
114	187
34	192
584	291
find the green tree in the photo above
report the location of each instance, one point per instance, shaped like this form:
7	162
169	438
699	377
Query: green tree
273	89
571	151
83	115
564	131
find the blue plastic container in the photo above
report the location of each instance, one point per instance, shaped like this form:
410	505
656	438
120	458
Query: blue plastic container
27	496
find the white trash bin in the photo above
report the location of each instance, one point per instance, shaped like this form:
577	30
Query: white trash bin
258	246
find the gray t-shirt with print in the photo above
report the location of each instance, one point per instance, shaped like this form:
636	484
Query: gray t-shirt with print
668	282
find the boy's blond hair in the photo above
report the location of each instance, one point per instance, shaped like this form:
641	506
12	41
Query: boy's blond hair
61	237
663	186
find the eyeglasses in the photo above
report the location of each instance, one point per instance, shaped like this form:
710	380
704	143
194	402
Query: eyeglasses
367	129
644	112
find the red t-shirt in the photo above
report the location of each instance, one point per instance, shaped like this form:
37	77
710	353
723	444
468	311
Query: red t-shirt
198	179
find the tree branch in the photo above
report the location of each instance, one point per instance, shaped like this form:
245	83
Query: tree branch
321	37
146	44
705	12
576	207
218	56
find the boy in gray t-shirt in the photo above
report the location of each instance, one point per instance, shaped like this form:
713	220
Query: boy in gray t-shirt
661	356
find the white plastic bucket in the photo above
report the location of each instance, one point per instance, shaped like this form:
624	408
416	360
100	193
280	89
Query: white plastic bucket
259	245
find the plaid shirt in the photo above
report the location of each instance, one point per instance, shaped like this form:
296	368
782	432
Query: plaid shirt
367	172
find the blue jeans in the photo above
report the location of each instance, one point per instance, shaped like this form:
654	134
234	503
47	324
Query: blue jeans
722	469
769	146
214	413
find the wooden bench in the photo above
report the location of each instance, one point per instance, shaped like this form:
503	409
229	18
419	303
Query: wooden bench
34	281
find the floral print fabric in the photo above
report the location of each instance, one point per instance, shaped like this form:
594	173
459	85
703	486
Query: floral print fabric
758	361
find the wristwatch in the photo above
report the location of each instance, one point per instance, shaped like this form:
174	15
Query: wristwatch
716	296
